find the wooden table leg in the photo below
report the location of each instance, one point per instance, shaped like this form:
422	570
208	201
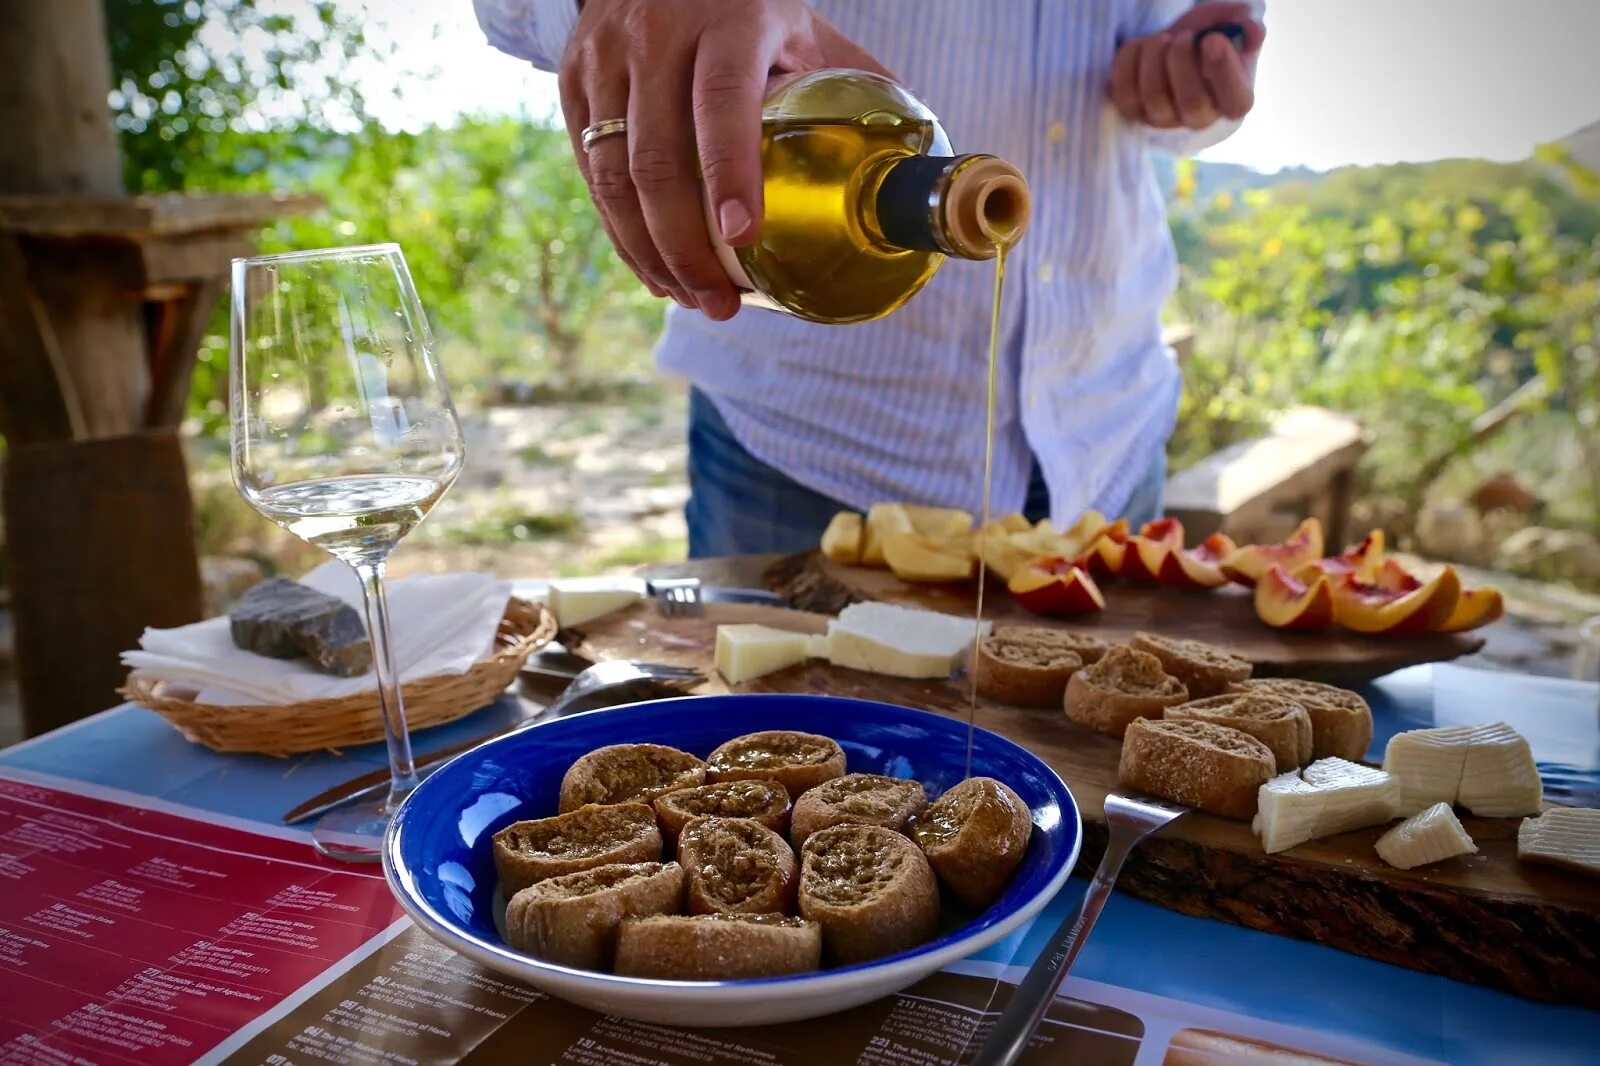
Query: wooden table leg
81	596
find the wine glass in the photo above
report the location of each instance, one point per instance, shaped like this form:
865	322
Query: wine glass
343	433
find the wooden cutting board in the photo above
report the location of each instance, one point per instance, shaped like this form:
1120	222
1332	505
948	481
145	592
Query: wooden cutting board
1488	918
1225	616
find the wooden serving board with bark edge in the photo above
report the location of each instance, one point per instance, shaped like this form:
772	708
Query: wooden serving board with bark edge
1487	919
1224	616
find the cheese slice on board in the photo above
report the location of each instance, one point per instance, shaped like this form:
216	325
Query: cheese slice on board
745	652
885	638
1500	778
1562	836
581	600
1329	796
1428	763
1428	836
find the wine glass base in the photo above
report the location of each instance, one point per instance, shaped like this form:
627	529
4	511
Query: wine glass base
353	834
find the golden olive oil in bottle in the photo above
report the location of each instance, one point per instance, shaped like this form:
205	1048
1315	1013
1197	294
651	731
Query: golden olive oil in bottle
864	200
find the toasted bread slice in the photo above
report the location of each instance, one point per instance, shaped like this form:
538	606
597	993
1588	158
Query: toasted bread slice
857	799
1341	721
765	801
1124	685
1197	764
573	919
717	947
797	761
736	866
974	836
1280	724
1204	669
870	889
629	773
596	835
1027	666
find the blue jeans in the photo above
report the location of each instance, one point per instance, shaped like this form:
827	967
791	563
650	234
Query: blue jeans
739	505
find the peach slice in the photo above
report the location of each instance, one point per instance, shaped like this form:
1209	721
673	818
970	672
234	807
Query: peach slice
1363	559
1300	602
917	557
1476	607
841	541
999	551
1147	553
1369	607
1246	565
1197	568
1103	555
1056	585
1083	533
881	519
939	523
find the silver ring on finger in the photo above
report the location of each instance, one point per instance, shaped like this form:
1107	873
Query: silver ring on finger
599	131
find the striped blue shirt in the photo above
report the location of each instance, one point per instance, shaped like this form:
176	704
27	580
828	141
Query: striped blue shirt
894	409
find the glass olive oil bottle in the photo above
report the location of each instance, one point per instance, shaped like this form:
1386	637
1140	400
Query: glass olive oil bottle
864	200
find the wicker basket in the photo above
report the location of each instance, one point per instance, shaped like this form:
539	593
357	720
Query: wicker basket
331	724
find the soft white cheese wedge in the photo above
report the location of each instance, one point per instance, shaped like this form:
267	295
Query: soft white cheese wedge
885	638
745	652
1428	836
1562	836
578	600
1428	763
1500	778
1329	796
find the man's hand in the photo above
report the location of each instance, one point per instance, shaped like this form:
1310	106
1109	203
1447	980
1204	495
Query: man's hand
1164	81
689	76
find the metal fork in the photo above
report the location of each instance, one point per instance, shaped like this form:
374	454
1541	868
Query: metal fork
678	597
1131	817
616	674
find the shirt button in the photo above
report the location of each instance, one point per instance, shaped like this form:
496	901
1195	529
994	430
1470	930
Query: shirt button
1033	401
1047	273
1056	132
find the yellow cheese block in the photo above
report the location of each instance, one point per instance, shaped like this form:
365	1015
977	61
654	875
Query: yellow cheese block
581	600
745	652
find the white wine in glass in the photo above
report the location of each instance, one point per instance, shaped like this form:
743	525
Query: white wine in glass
343	434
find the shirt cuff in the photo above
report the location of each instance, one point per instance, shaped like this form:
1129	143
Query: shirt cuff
1190	142
535	30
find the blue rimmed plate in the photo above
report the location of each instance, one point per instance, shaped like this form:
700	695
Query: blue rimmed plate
439	862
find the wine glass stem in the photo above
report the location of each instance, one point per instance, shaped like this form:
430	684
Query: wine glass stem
402	771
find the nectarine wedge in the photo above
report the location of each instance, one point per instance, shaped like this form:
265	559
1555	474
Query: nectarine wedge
1476	607
1247	564
1145	554
999	551
1056	586
1286	601
1197	568
916	557
1103	555
1362	560
1367	607
841	541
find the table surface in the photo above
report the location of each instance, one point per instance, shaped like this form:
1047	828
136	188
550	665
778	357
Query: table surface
1135	946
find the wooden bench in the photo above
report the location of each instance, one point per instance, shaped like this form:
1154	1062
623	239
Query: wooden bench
1303	467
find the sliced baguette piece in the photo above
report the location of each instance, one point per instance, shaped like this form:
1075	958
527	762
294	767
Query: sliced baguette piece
1026	666
1204	669
572	920
1124	685
1562	836
1428	836
1198	764
736	866
1280	724
975	835
885	638
870	889
765	801
857	799
795	760
628	773
1341	721
596	835
717	947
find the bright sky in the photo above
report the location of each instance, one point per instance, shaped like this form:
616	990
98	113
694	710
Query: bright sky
1341	81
